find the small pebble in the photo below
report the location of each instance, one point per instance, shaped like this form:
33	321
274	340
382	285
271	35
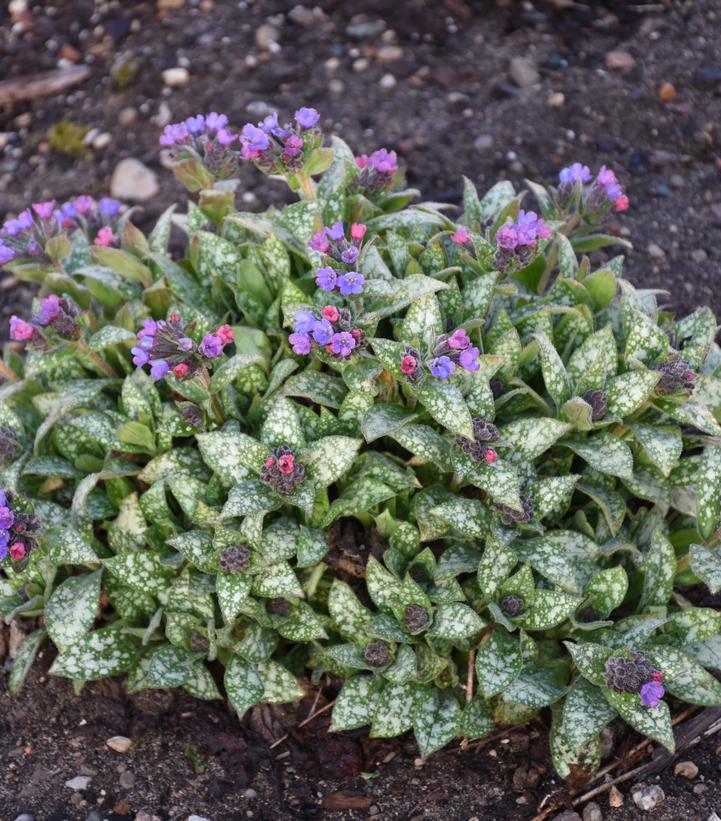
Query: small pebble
127	116
250	793
699	256
654	251
667	92
387	81
266	36
197	818
119	743
615	797
132	180
102	141
483	142
686	769
523	71
374	809
568	815
676	181
700	789
80	782
647	798
388	54
361	64
592	812
127	780
26	816
557	99
619	60
175	77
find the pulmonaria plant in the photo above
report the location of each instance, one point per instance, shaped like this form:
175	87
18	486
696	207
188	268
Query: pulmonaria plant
529	442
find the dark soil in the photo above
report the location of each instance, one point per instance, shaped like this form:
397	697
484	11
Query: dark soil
453	110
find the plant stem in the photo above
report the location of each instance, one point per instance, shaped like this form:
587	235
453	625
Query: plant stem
97	360
307	186
6	373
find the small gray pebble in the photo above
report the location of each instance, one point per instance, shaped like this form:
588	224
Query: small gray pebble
250	793
26	816
127	780
592	812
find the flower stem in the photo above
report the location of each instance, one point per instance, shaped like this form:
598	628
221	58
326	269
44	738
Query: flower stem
97	360
6	373
307	186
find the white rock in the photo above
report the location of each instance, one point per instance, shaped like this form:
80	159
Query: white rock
387	81
483	142
132	180
388	54
197	818
647	798
119	743
266	36
523	71
174	77
103	140
80	782
655	251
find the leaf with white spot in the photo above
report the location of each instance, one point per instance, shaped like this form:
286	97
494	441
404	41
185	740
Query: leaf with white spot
423	322
356	703
605	453
552	495
708	492
331	457
498	662
529	438
436	719
350	617
279	685
143	570
692	625
496	564
607	590
282	425
550	608
197	548
277	580
706	564
456	622
551	557
232	590
684	677
652	722
360	496
445	403
100	654
383	587
626	392
537	687
394	710
231	455
321	388
250	497
312	546
477	720
382	420
611	504
557	380
66	545
662	444
645	340
593	361
243	685
302	624
24	659
590	659
70	611
659	568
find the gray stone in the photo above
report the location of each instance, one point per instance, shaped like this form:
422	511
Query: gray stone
387	82
361	26
250	793
80	782
568	815
388	54
132	180
266	36
127	780
483	142
197	818
119	743
592	812
654	251
523	71
26	816
144	815
699	256
647	798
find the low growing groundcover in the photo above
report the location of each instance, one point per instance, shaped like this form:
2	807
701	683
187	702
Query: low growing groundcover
535	442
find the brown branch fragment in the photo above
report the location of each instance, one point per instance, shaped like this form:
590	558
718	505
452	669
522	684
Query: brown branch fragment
42	85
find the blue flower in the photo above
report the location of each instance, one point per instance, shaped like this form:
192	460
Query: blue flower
351	283
442	367
306	117
326	278
304	321
322	331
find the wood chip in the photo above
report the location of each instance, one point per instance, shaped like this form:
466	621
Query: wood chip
615	797
42	85
686	769
346	801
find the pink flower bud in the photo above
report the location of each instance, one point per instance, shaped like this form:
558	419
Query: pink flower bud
621	203
20	331
286	463
358	230
181	370
461	236
409	363
330	312
105	237
17	551
490	456
269	462
225	334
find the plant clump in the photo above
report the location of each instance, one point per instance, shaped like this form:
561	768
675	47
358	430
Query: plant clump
529	442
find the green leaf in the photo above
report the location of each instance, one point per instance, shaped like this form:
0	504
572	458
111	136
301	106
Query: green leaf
330	458
394	710
706	564
350	617
231	369
498	662
497	562
653	722
383	420
607	590
277	580
628	391
312	546
232	590
659	568
321	388
358	497
663	445
594	361
279	685
24	659
197	548
567	262
529	438
243	685
436	719
250	497
423	322
590	659
356	703
456	622
70	611
108	336
550	608
66	545
445	403
495	200
143	570
708	492
232	455
557	380
477	720
100	654
282	425
536	687
685	678
605	453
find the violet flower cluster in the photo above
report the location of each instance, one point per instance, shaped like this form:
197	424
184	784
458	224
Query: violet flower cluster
57	315
19	530
207	137
517	242
376	172
332	242
280	147
281	471
166	347
449	352
333	330
602	192
635	675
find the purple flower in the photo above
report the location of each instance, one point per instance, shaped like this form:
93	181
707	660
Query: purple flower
20	331
306	117
336	231
158	368
3	498
195	125
468	359
507	237
185	343
44	209
607	180
322	331
225	137
109	207
66	213
6	253
146	342
4	540
326	278
150	327
459	340
301	343
84	204
140	356
304	321
211	346
271	126
383	161
342	343
349	255
530	228
442	367
293	146
255	138
651	693
351	283
215	121
575	173
7	517
319	242
49	310
174	134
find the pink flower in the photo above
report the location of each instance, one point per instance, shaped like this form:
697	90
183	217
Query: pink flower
44	209
319	242
621	203
20	331
461	236
17	551
84	204
225	334
286	463
490	456
181	370
409	364
362	161
330	312
269	461
358	230
105	237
